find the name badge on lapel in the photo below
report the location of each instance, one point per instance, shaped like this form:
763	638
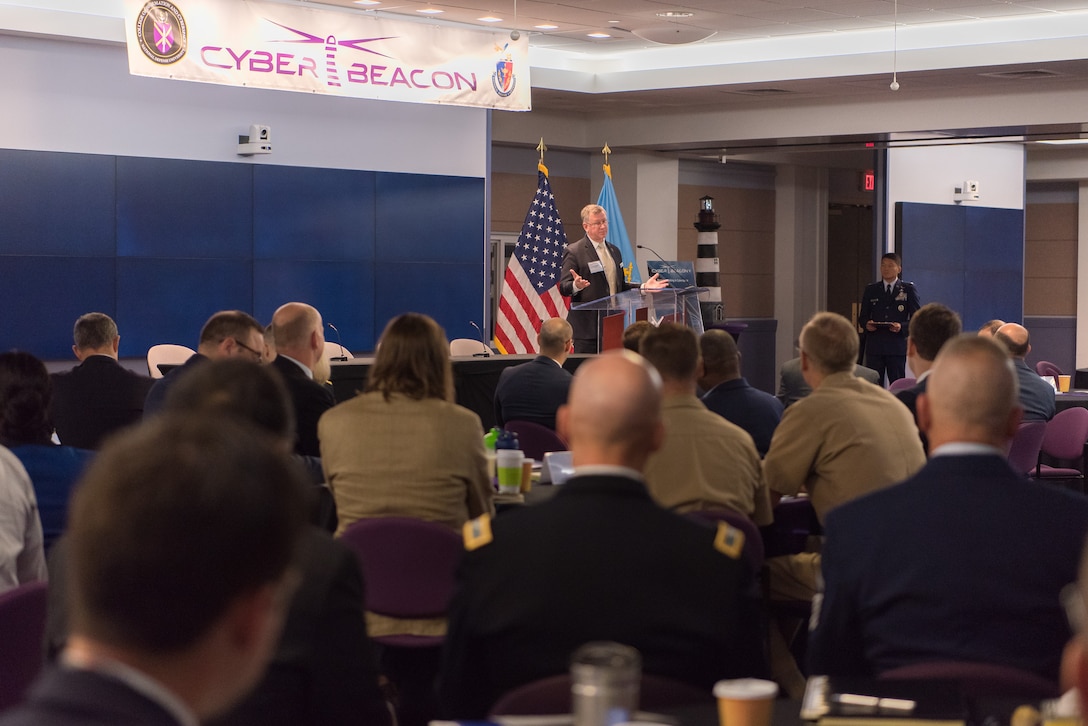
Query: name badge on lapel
596	266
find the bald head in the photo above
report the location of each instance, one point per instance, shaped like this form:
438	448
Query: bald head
972	394
990	327
613	413
1015	338
555	338
298	332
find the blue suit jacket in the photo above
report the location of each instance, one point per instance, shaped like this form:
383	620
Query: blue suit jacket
69	697
96	398
310	399
1036	395
756	412
964	561
531	391
877	305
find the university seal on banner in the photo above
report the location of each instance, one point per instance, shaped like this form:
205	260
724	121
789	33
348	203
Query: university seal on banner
162	33
503	79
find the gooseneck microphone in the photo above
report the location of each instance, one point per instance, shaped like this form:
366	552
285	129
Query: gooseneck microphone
668	265
486	352
343	356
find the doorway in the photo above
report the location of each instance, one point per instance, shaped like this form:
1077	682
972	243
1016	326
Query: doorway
850	245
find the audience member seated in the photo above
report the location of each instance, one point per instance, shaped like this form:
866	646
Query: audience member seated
929	329
632	334
22	555
1036	395
705	461
990	327
181	540
903	582
26	428
600	561
533	391
300	358
226	334
792	386
99	395
728	393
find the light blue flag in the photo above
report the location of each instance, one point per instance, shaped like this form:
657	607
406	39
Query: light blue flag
617	231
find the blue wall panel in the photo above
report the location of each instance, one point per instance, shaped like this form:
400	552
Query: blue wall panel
175	208
451	294
429	218
43	296
342	291
168	301
56	204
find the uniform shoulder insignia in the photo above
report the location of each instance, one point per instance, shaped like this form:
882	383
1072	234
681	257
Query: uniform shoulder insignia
477	532
729	541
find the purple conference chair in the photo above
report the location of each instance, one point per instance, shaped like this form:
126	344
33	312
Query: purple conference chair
979	680
1064	440
1026	445
552	696
408	565
536	440
902	384
22	629
1046	368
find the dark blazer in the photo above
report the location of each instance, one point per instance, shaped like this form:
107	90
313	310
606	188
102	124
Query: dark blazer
96	398
879	306
310	399
753	410
1036	395
156	396
598	561
70	697
531	391
964	561
909	397
792	386
577	257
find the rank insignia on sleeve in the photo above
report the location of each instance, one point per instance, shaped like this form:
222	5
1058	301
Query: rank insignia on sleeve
729	541
477	532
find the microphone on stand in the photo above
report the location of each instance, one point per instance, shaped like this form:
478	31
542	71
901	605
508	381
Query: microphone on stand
668	265
486	352
343	356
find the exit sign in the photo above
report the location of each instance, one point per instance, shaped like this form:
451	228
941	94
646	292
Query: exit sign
867	181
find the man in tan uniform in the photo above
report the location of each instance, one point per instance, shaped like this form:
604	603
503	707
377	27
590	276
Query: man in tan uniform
706	461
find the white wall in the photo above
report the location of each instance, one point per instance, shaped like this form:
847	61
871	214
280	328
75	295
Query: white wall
79	97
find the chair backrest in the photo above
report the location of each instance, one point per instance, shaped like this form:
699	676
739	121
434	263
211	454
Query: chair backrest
1046	368
536	440
753	541
902	384
408	565
167	353
1026	445
467	346
979	679
1066	434
22	629
333	350
552	696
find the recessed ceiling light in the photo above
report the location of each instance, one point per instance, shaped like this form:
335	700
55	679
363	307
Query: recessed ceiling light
613	22
546	27
367	2
430	11
489	19
675	14
1062	142
598	35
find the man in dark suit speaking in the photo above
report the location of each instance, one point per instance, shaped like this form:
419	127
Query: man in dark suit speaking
592	269
533	391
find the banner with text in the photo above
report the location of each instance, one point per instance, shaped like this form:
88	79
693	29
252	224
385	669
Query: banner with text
267	45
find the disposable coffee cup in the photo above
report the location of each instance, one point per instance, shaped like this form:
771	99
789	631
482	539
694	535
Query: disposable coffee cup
526	475
745	701
1063	383
508	463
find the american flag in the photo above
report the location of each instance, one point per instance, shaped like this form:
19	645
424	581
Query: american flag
530	289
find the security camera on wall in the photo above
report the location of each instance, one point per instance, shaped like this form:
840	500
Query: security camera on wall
259	141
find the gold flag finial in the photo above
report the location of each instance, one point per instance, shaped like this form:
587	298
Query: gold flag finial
606	151
541	148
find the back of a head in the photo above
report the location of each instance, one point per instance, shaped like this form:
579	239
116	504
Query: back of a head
830	342
614	403
173	521
26	394
94	331
1015	338
236	387
972	386
932	326
554	337
228	324
412	359
633	334
672	349
292	325
990	327
721	357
